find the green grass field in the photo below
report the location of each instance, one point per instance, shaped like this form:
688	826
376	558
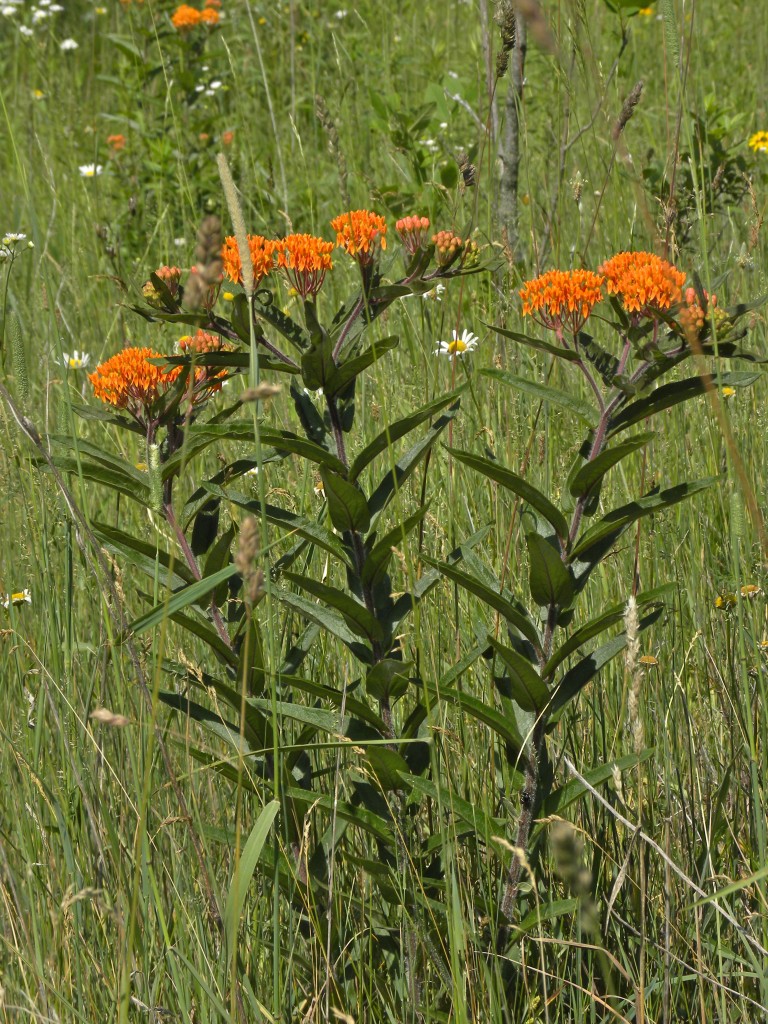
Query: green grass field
343	782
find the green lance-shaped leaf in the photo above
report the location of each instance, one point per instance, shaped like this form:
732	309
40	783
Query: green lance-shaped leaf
540	346
398	429
503	726
528	688
317	365
265	308
585	670
244	873
387	678
616	521
512	482
610	617
356	615
18	360
205	528
305	528
504	603
604	362
407	464
593	472
672	394
545	393
347	506
484	826
327	618
382	551
352	368
146	556
550	581
194	593
115	479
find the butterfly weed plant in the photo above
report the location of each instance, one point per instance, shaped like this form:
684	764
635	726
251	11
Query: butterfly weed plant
237	590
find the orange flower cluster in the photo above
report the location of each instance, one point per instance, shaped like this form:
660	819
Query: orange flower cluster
305	260
644	282
692	317
116	142
171	276
412	231
447	247
208	379
186	17
360	232
202	342
129	381
262	252
562	299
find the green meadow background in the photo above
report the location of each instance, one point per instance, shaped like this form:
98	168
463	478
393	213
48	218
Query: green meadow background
102	907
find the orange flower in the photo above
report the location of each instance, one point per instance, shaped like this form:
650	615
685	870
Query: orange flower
562	299
262	251
116	142
185	18
129	381
207	378
305	259
227	138
412	231
447	247
644	282
692	317
171	276
209	17
360	232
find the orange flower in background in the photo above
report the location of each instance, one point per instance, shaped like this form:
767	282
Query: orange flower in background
562	299
692	316
262	252
129	381
116	142
447	247
210	16
227	138
360	232
644	282
185	18
413	233
305	260
208	379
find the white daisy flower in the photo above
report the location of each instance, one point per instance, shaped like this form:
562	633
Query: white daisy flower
179	242
7	10
90	170
215	85
20	597
68	44
13	236
26	30
76	361
461	344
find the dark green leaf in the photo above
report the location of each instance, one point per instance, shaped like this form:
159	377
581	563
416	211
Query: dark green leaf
512	482
528	688
550	581
205	528
356	615
145	555
387	679
668	395
380	554
594	471
617	520
399	429
484	713
265	308
322	616
535	343
554	396
347	506
352	368
194	593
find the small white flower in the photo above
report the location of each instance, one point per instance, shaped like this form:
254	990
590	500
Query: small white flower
39	15
26	31
7	10
199	88
209	92
21	597
178	242
56	8
253	471
434	294
5	253
68	44
430	144
460	345
443	125
341	14
76	361
215	84
452	74
13	236
90	170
